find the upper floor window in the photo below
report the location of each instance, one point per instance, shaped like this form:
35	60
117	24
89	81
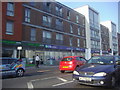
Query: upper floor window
71	29
33	34
70	40
9	27
46	34
47	21
47	6
59	37
59	24
58	10
78	42
10	9
32	3
27	15
77	19
68	14
78	30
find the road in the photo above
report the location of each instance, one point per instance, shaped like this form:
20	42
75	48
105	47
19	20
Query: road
45	77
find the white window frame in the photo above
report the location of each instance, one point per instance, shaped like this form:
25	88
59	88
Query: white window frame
27	14
10	9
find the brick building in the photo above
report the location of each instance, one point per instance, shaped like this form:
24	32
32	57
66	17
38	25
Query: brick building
49	29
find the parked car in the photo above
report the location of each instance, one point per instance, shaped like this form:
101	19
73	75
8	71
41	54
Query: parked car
11	66
99	71
70	63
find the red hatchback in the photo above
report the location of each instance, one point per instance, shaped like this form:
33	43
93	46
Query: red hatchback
69	63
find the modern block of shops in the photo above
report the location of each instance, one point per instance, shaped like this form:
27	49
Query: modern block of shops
50	30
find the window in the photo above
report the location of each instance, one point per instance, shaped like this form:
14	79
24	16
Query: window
59	24
47	21
59	38
47	37
78	42
32	3
27	15
47	6
33	34
10	9
78	30
77	19
58	10
83	32
68	14
71	29
9	27
70	40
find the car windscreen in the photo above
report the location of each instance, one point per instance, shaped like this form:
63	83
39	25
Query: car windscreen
101	60
66	59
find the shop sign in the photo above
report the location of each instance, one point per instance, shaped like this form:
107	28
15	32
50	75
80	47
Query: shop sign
95	51
10	42
64	47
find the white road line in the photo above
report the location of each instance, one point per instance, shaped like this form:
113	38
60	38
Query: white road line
62	83
62	79
42	79
30	85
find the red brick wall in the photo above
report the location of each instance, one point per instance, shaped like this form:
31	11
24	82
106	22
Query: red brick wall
17	19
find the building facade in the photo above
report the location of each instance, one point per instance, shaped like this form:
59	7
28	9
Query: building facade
11	28
112	36
104	39
118	44
48	29
93	38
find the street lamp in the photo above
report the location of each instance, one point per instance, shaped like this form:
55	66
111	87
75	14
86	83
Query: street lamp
19	48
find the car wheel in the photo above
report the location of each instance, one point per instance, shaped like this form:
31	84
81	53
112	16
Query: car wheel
62	71
113	81
19	73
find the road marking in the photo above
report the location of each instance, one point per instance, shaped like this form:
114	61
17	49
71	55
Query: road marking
62	79
62	83
30	85
42	79
43	71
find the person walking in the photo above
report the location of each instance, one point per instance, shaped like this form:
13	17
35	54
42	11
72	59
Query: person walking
37	60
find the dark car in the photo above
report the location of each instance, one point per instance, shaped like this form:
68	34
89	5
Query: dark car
99	71
11	66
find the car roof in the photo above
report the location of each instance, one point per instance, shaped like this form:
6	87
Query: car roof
72	56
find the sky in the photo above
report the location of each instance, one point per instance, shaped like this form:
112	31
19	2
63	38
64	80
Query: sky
108	10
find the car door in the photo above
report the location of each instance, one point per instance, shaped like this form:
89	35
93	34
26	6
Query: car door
117	60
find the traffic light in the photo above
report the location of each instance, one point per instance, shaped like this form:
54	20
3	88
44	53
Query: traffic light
109	50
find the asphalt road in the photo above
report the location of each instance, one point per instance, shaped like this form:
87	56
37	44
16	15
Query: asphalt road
45	77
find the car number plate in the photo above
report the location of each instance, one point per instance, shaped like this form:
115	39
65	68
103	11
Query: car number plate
65	66
84	79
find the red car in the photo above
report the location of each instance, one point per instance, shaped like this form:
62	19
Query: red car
69	63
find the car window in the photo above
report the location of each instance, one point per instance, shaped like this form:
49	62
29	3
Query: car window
101	60
77	58
8	61
82	59
4	61
66	59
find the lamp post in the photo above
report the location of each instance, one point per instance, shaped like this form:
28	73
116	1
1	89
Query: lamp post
19	48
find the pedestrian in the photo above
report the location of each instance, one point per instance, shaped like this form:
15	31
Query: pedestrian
37	59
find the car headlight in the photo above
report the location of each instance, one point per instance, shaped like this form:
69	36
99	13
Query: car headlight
75	72
100	74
